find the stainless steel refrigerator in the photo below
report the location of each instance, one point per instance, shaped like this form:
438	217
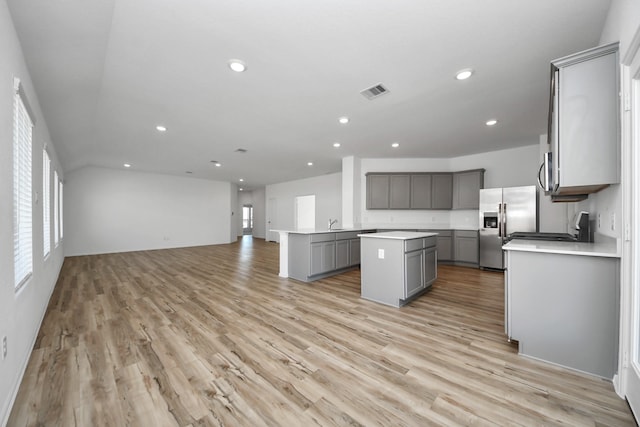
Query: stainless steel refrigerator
504	211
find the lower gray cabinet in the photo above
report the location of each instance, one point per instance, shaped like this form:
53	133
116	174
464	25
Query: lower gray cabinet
414	275
430	258
354	251
466	246
323	257
343	258
318	255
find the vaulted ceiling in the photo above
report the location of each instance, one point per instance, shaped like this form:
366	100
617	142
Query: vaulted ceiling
107	72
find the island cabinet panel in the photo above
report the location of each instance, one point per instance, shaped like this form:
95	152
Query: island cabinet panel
441	191
396	268
414	273
466	189
466	247
323	257
421	191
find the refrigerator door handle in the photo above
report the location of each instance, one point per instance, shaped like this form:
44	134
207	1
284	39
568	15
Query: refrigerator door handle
504	220
499	219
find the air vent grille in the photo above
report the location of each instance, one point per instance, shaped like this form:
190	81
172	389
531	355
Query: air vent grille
241	150
374	91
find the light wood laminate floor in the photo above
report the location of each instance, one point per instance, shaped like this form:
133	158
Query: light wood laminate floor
212	336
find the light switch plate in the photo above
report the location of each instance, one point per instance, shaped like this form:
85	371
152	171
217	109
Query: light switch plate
380	253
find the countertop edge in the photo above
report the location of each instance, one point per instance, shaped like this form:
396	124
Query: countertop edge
604	250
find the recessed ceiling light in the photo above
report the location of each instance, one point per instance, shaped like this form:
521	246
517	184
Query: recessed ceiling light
127	165
395	145
309	163
241	189
241	180
237	65
336	144
344	120
218	165
161	128
491	122
464	74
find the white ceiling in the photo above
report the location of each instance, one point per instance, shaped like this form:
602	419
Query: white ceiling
108	71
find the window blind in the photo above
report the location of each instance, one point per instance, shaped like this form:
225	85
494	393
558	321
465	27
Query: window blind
22	196
46	202
61	212
56	209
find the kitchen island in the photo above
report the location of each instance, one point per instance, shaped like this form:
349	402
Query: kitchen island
562	303
397	266
311	254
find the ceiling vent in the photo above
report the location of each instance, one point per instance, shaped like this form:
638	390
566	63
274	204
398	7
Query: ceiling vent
374	91
241	150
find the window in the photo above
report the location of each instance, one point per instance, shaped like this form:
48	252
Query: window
56	208
61	206
22	196
46	202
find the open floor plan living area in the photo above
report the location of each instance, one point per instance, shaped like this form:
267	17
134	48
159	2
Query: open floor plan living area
331	213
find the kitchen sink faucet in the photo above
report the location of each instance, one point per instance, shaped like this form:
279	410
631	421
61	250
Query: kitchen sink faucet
331	222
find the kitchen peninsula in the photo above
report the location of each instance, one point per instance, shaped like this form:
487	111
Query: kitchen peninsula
309	255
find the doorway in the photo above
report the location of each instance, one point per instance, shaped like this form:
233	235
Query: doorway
247	220
305	212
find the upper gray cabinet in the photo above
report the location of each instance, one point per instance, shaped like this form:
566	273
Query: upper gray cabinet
399	192
442	190
377	191
584	127
421	191
466	189
424	190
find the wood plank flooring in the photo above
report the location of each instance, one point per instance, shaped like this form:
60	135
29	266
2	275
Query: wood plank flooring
212	336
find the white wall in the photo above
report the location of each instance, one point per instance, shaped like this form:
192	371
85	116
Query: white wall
259	213
328	192
21	313
110	210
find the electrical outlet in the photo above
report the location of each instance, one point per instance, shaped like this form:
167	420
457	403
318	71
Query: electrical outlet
4	347
380	253
599	221
613	221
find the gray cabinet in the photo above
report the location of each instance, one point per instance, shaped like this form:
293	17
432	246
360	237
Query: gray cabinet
342	254
466	189
377	191
445	245
318	255
414	273
424	190
421	191
564	308
354	252
430	259
584	126
323	257
441	191
399	191
394	270
466	246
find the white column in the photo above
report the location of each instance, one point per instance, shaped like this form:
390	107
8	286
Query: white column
284	253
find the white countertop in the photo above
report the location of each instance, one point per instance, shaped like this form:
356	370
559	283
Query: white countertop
317	231
605	249
398	235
